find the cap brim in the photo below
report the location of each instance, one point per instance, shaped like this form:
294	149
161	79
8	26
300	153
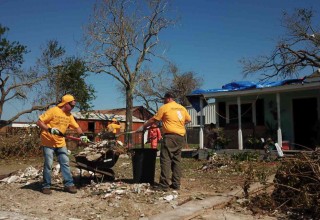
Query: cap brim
62	104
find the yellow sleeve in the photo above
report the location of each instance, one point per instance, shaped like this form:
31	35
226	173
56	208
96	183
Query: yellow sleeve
159	114
47	116
187	116
73	123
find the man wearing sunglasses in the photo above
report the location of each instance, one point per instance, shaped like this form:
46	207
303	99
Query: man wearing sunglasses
54	123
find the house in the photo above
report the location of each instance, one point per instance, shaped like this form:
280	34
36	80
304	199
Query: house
287	111
138	111
16	127
193	128
208	116
93	123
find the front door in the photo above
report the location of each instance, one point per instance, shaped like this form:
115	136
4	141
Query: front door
305	117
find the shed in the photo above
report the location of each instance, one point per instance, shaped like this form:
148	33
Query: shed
139	112
93	123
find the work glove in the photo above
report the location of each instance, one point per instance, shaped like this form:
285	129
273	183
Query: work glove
140	129
54	131
84	139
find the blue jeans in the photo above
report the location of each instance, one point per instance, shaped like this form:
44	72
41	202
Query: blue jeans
63	159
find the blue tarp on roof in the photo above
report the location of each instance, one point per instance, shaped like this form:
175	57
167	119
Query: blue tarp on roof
236	86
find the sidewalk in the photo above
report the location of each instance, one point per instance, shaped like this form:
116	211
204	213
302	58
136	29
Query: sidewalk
209	208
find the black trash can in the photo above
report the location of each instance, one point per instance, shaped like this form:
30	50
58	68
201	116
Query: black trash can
144	164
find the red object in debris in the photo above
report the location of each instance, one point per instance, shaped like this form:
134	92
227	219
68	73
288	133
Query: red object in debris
154	135
285	145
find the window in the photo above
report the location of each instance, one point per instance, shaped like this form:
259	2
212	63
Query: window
260	111
203	119
222	114
91	127
246	113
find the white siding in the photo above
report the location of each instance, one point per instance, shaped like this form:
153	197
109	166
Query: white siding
22	125
208	112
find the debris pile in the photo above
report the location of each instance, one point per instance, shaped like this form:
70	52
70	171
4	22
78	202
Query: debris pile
111	191
30	173
297	184
215	162
98	149
101	154
142	191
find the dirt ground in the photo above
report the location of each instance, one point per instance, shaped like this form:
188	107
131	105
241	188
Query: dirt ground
118	199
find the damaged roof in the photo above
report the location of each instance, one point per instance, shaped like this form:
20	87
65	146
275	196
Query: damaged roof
103	117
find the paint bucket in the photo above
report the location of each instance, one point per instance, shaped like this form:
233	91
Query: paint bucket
285	145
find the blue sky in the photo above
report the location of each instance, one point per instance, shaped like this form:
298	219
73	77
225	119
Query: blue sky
210	39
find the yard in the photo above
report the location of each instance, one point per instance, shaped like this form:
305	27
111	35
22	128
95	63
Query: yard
123	199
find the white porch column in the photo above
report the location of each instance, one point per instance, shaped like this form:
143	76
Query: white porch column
240	140
254	115
216	114
201	125
279	132
318	105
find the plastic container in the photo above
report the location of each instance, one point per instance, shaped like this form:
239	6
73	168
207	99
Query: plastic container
144	165
285	145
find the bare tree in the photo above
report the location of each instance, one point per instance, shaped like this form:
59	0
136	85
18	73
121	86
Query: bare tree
298	50
43	84
15	83
151	90
121	36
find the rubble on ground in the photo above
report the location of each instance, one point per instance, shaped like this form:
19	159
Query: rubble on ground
215	162
143	192
30	173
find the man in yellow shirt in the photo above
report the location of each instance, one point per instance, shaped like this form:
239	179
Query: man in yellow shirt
113	126
53	123
112	129
174	117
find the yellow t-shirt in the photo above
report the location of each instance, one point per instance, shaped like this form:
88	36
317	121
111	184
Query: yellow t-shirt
56	118
113	128
173	117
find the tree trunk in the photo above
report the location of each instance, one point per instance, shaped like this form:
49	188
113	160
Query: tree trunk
129	106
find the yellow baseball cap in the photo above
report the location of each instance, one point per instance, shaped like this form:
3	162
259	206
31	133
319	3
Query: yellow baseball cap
114	119
65	99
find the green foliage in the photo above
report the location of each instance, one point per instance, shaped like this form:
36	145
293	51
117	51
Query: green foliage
72	76
15	84
246	156
222	140
66	75
253	142
46	82
11	53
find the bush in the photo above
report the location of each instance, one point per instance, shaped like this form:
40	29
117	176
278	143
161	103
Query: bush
297	184
23	143
246	156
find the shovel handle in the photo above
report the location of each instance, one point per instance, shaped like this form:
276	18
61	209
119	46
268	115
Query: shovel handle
77	139
72	137
129	132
